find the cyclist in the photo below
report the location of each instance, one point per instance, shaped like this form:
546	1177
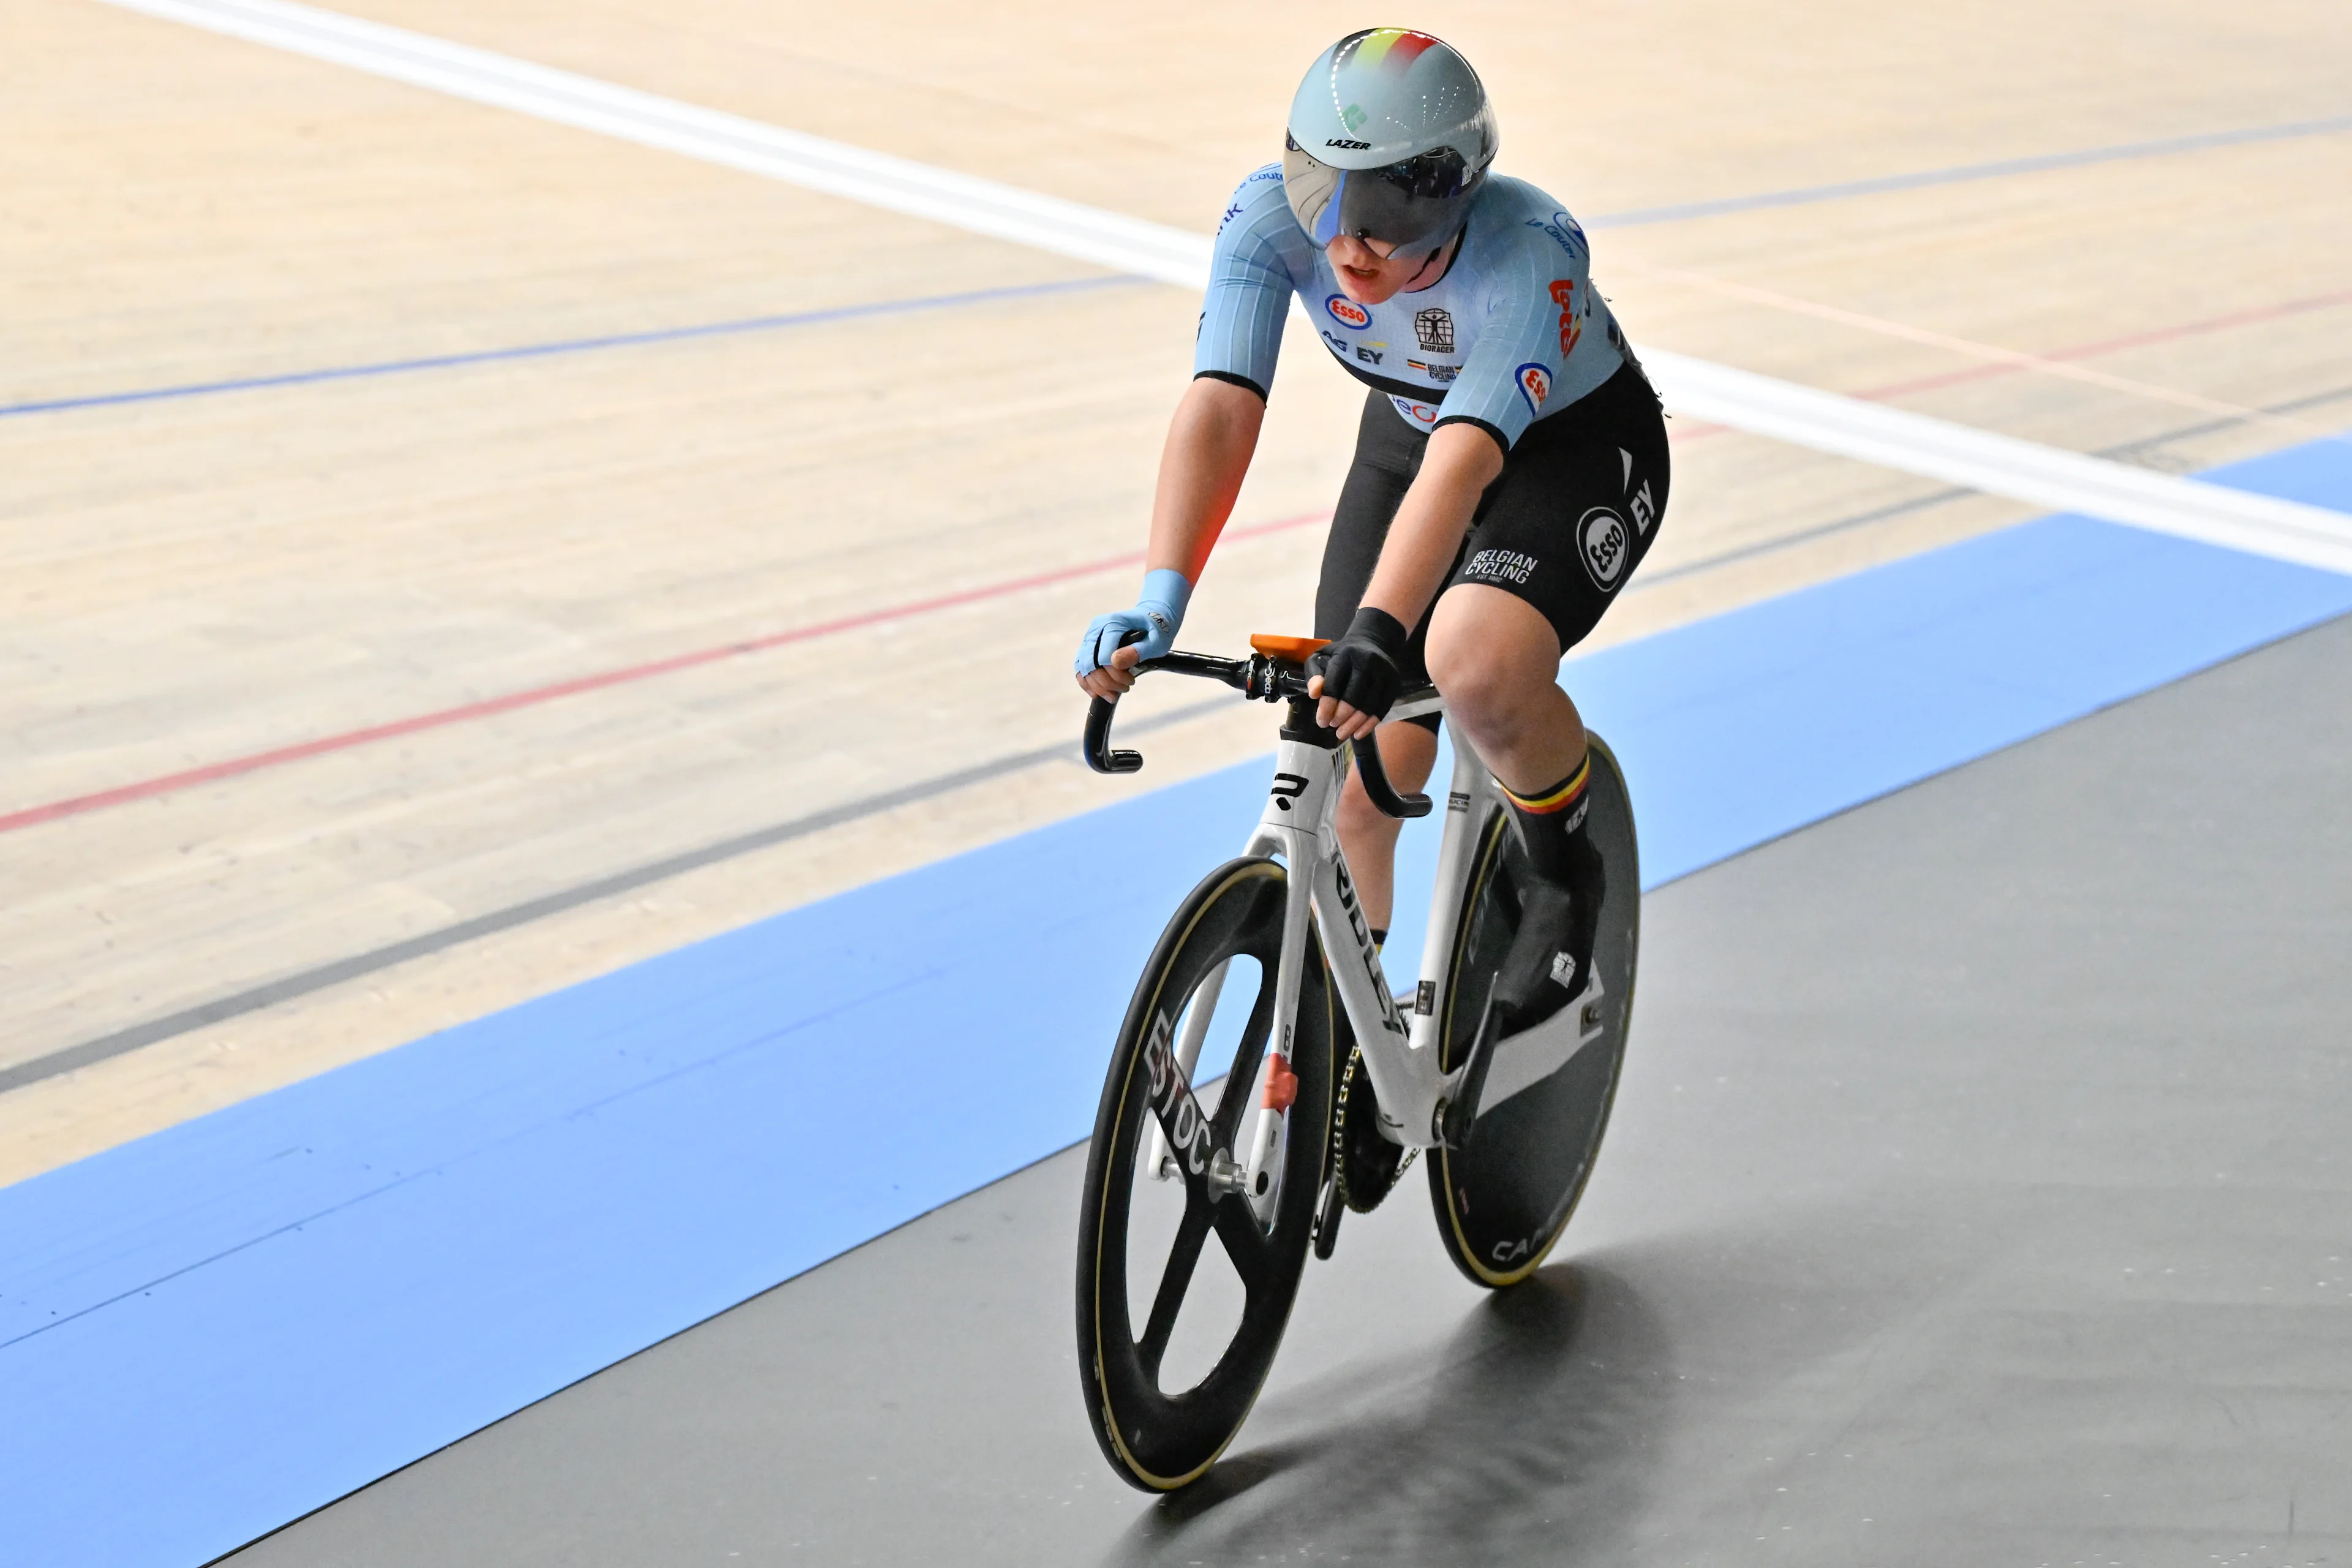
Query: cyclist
1510	467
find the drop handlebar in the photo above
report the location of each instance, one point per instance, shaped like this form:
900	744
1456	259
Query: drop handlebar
1260	679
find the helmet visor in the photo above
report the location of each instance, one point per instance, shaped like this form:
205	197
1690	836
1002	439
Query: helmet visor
1415	206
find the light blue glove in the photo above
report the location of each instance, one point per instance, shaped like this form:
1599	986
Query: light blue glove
1156	615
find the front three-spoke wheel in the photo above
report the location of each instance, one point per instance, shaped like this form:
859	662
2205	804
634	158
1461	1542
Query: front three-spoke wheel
1188	1258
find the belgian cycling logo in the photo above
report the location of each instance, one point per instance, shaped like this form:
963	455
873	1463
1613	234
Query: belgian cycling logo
1440	374
1348	313
1505	565
1419	413
1563	294
1434	328
1534	385
1602	541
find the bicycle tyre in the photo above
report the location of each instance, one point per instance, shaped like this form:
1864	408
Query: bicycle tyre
1156	1440
1503	1200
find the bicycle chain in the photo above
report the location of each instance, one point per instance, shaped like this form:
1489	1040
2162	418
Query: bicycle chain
1345	1142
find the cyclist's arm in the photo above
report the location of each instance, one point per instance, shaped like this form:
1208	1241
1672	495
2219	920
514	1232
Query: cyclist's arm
1210	443
1258	252
1461	461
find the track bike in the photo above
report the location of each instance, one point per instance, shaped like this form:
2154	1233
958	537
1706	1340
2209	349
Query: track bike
1331	1083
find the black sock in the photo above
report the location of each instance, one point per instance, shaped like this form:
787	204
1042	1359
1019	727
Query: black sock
1551	829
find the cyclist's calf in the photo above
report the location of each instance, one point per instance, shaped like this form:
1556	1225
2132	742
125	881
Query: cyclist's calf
1369	835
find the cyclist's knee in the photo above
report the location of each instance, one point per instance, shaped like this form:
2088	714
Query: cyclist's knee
1495	658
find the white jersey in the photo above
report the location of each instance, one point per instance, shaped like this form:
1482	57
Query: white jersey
1512	333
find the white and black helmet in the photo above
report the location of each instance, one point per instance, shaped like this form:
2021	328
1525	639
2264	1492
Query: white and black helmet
1390	135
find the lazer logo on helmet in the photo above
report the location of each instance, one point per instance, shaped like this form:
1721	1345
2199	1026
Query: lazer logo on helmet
1534	385
1348	313
1344	144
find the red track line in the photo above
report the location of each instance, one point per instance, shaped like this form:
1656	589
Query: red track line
530	698
2081	351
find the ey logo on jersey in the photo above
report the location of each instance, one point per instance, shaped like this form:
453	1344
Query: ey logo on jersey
1348	313
1534	385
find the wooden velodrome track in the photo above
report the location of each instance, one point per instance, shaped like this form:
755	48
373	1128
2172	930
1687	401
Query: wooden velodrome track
196	579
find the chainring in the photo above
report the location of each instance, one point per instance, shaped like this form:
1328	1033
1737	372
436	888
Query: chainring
1369	1165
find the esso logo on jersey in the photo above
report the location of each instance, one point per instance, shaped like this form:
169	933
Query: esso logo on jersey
1420	414
1534	385
1348	313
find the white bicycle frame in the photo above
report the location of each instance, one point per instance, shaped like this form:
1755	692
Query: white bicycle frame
1298	828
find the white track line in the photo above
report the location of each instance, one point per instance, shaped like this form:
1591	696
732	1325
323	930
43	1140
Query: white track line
962	201
1848	427
2002	465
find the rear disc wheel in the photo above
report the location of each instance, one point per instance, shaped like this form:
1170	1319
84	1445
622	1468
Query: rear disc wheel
1504	1198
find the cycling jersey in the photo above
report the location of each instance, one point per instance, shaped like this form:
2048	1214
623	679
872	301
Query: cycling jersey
1510	334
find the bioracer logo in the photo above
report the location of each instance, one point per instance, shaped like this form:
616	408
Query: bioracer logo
1348	313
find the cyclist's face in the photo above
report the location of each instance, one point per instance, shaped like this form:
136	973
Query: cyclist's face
1369	273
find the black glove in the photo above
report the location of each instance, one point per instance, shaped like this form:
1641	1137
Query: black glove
1365	669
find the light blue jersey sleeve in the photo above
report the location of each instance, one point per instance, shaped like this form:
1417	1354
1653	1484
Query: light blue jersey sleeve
1253	272
1541	347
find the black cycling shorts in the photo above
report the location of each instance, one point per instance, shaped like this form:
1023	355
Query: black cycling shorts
1562	526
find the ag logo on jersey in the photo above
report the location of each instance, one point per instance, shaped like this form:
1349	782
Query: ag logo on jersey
1602	543
1348	313
1534	385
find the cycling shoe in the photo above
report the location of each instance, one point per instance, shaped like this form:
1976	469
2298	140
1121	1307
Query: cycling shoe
1551	960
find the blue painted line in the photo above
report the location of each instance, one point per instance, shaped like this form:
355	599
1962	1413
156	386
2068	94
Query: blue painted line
574	345
1805	196
1797	196
214	1330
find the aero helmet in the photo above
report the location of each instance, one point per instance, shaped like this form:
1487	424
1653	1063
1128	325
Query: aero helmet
1390	137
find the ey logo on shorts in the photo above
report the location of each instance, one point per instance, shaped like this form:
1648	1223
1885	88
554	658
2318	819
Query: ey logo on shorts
1602	543
1348	313
1534	385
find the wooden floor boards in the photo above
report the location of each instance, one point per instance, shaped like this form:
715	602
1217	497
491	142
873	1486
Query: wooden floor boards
190	580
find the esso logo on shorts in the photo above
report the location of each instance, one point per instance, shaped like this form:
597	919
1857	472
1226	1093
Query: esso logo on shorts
1602	541
1534	385
1420	414
1348	313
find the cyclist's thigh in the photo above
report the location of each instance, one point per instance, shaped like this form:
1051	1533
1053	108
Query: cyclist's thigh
1388	455
1576	508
